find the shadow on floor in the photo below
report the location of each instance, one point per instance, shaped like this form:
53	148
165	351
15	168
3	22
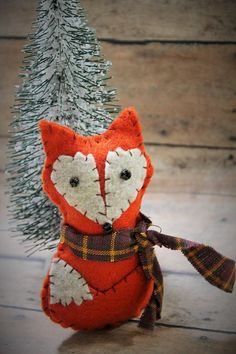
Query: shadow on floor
120	339
128	339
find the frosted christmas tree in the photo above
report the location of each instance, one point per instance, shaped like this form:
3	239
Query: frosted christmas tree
64	79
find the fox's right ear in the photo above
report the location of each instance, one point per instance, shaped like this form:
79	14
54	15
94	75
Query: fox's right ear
56	138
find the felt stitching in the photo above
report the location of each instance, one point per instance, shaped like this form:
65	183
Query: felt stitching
86	196
67	286
88	251
121	193
215	268
56	317
125	131
116	284
99	211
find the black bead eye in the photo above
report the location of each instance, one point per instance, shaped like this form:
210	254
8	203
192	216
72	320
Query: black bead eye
74	181
125	174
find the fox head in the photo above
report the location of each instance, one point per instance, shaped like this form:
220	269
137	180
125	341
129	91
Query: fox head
96	180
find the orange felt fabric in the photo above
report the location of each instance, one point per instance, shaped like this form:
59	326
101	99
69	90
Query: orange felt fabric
124	132
129	290
120	291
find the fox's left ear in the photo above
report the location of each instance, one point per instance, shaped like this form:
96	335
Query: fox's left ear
127	123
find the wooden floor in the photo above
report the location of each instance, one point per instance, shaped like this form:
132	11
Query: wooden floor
179	56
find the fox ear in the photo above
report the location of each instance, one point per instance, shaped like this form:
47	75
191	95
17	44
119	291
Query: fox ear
127	123
56	138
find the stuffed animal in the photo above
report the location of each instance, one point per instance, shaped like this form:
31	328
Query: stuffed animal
104	270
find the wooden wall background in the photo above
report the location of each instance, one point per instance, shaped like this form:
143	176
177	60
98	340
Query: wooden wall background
175	61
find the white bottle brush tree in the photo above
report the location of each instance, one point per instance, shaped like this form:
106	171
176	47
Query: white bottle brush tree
64	79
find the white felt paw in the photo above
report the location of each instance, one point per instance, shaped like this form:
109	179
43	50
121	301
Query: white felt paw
66	284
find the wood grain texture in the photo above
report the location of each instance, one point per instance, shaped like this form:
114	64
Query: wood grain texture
194	20
163	19
183	94
23	275
11	57
176	310
189	170
27	332
17	17
179	170
199	217
23	330
191	301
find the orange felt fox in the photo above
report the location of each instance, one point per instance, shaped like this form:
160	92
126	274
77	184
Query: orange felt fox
98	183
104	271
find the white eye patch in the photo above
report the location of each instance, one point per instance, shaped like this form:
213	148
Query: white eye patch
125	172
77	180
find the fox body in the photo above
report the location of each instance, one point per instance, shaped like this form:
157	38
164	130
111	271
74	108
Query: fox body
97	182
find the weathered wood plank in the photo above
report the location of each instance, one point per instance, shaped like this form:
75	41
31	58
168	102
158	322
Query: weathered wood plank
177	215
137	20
203	218
189	170
21	282
177	171
190	301
22	331
184	94
183	170
17	17
150	19
11	57
218	313
25	331
3	157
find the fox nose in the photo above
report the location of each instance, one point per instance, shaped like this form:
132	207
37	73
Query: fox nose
107	227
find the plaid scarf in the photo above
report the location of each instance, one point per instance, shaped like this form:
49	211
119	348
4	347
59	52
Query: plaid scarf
124	243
